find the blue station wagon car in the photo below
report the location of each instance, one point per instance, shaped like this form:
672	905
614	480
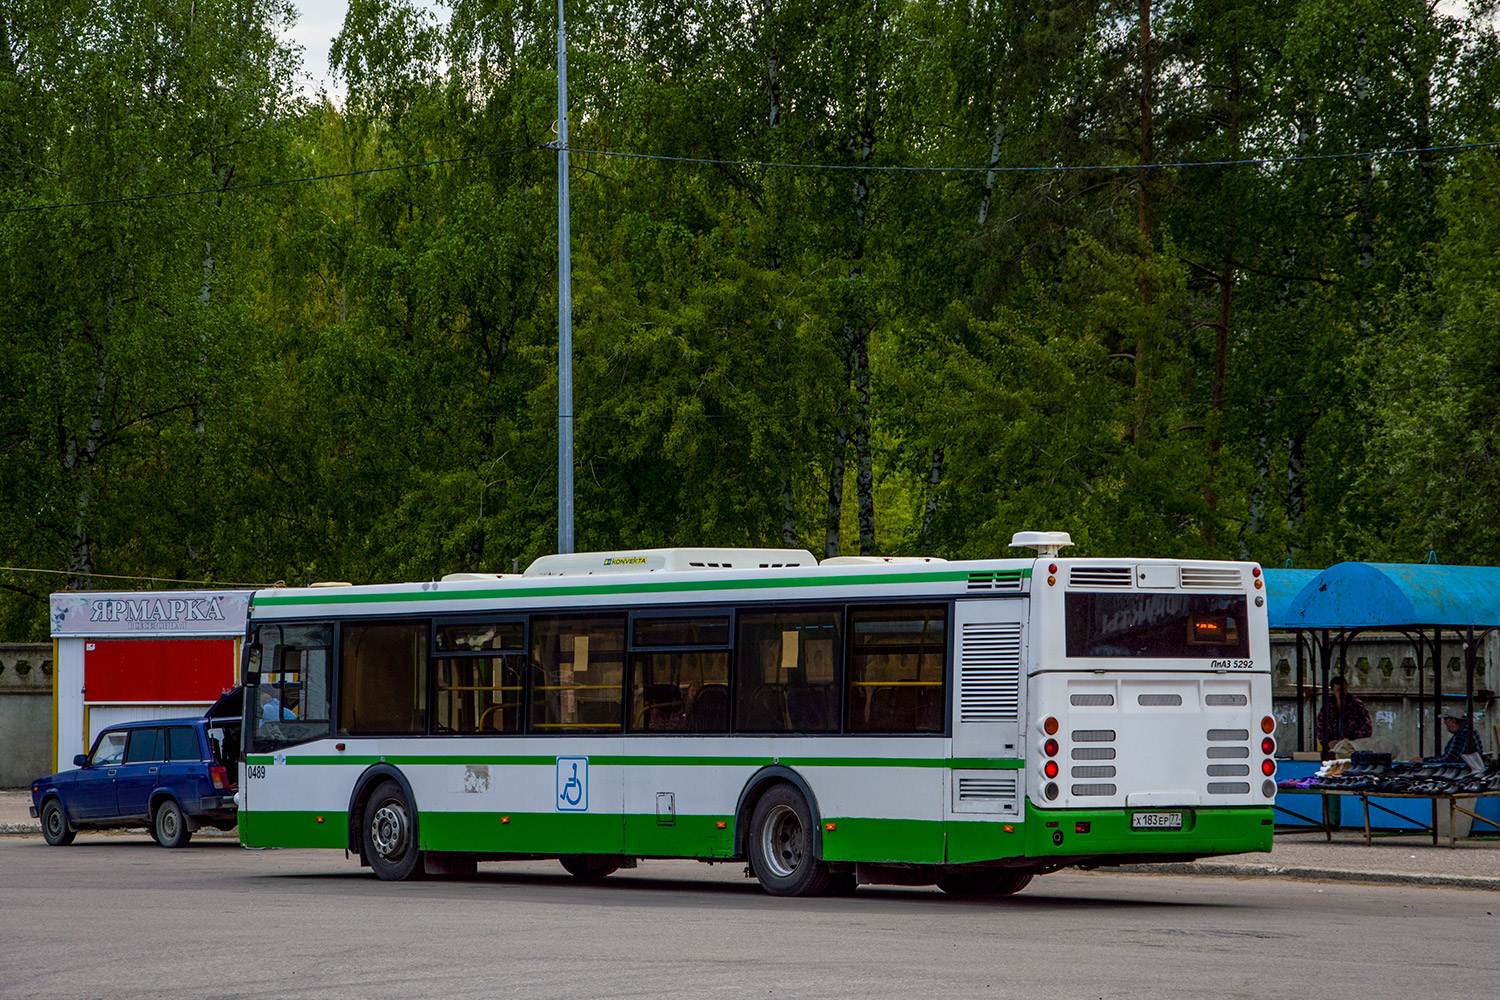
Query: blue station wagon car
170	775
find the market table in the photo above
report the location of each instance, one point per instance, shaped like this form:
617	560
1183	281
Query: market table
1366	794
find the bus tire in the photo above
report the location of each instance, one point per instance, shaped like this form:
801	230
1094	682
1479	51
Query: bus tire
590	867
55	827
986	882
390	834
169	825
780	845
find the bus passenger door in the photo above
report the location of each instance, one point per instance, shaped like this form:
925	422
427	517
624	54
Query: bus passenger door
987	788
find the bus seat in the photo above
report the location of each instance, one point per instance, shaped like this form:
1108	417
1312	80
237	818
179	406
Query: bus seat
710	712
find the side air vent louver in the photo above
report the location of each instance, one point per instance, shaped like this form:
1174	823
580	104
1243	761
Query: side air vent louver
1094	771
1227	753
1093	736
1228	770
1160	700
989	673
987	789
1082	791
1099	576
1097	753
1219	700
1002	579
1229	788
1091	700
1211	578
1223	735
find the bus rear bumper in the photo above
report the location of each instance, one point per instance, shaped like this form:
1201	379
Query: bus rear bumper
1116	836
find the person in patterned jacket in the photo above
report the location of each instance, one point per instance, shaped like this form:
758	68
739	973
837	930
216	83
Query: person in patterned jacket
1344	717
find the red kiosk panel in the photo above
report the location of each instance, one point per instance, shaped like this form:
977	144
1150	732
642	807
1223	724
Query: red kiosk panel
154	671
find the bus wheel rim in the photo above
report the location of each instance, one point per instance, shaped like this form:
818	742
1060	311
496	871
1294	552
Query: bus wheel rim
781	841
389	830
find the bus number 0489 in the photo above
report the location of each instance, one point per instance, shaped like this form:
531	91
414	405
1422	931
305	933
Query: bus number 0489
255	771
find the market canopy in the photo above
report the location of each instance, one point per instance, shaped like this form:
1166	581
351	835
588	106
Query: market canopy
1356	595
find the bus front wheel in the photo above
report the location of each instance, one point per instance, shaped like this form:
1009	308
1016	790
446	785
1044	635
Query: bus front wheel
590	867
986	882
780	845
390	834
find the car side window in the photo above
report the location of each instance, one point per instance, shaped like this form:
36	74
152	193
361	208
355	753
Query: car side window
182	744
145	745
110	749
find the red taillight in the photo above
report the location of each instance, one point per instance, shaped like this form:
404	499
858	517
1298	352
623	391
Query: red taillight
1052	568
1255	571
218	776
1268	746
1050	748
1050	769
1268	767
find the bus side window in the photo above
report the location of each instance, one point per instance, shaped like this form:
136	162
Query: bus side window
577	674
787	671
897	667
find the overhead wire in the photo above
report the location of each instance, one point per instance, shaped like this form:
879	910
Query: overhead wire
1257	161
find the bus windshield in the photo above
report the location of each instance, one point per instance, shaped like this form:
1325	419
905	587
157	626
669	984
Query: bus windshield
1164	626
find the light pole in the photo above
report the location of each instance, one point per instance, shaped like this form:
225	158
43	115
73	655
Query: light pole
564	304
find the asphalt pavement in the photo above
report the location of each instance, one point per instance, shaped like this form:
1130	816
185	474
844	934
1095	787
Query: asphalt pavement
1472	864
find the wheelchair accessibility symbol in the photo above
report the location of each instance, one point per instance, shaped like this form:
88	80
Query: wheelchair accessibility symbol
573	784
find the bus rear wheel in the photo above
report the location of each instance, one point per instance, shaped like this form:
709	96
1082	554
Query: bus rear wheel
390	834
590	866
986	882
780	845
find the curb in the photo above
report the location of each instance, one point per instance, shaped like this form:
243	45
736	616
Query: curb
35	830
1317	875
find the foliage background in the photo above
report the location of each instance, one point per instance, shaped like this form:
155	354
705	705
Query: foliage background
354	378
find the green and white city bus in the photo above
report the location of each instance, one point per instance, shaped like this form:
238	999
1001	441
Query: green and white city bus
900	721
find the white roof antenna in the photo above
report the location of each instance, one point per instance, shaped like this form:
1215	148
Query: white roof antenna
1046	543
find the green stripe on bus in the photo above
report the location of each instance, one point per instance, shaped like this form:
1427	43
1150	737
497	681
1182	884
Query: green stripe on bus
602	760
334	596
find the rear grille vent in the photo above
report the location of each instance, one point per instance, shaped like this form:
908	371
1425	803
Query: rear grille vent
1082	791
1097	753
987	789
1099	576
1094	771
989	681
1159	700
1211	578
1229	788
1224	735
709	565
1093	736
1004	579
1091	700
1217	700
1227	753
1228	770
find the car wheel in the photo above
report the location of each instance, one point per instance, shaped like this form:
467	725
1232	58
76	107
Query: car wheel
986	882
170	827
55	826
390	834
780	845
590	866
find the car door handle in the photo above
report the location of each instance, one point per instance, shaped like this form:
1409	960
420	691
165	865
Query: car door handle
111	772
150	770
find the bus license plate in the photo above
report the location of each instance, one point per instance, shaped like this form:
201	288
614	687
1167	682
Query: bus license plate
1156	821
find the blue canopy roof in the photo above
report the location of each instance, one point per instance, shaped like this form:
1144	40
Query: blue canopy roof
1391	595
1282	585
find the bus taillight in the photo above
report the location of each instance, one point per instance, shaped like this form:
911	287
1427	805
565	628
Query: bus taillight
1049	726
1050	769
1268	767
1050	748
1268	746
1268	725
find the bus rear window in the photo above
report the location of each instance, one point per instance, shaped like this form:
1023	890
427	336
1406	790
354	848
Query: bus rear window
1165	626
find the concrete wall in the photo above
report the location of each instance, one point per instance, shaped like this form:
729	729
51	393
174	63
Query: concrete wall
25	713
